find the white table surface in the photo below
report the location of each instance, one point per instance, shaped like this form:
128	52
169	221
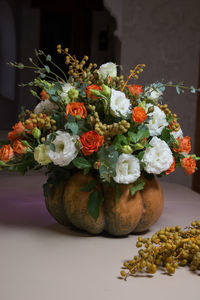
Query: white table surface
41	260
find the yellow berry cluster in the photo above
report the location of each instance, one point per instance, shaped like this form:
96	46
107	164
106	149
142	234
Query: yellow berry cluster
175	126
78	69
107	130
168	248
42	121
134	74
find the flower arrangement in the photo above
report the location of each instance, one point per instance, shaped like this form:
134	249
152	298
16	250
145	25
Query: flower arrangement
93	120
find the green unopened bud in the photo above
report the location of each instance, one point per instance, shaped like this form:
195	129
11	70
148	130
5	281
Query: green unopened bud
78	117
138	146
73	94
25	143
95	92
36	133
127	149
106	91
33	93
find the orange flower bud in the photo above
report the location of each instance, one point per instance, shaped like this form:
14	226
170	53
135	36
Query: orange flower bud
139	114
189	165
18	147
184	145
6	153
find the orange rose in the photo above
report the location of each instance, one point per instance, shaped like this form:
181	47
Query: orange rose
93	87
189	165
171	168
139	114
91	141
75	109
135	89
44	95
6	153
18	129
18	147
12	136
184	145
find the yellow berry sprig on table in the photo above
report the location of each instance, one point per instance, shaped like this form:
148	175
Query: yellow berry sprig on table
168	248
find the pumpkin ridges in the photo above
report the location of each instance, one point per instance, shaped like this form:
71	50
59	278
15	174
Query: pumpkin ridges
121	218
54	203
153	202
75	205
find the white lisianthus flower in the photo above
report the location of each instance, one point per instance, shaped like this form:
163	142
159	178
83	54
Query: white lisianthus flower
157	120
65	89
157	158
65	149
119	104
107	69
127	169
40	155
177	134
45	106
154	94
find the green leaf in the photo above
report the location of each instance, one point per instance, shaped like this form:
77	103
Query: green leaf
54	98
2	163
140	155
51	92
48	58
118	193
73	127
81	163
165	135
138	186
89	187
132	137
52	147
169	118
70	118
142	134
94	204
178	90
86	171
108	159
47	68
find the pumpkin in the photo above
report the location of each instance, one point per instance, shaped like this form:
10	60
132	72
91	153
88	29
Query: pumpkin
130	214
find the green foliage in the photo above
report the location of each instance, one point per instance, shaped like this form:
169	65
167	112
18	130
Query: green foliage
138	186
89	187
94	204
108	159
81	163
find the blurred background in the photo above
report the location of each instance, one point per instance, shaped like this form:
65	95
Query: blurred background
165	35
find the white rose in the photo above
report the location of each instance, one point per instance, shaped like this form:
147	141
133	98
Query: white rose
177	134
154	94
119	104
157	120
40	155
65	89
157	158
108	69
65	149
127	169
45	106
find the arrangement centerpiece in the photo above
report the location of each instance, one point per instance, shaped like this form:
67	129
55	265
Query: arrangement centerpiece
102	141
